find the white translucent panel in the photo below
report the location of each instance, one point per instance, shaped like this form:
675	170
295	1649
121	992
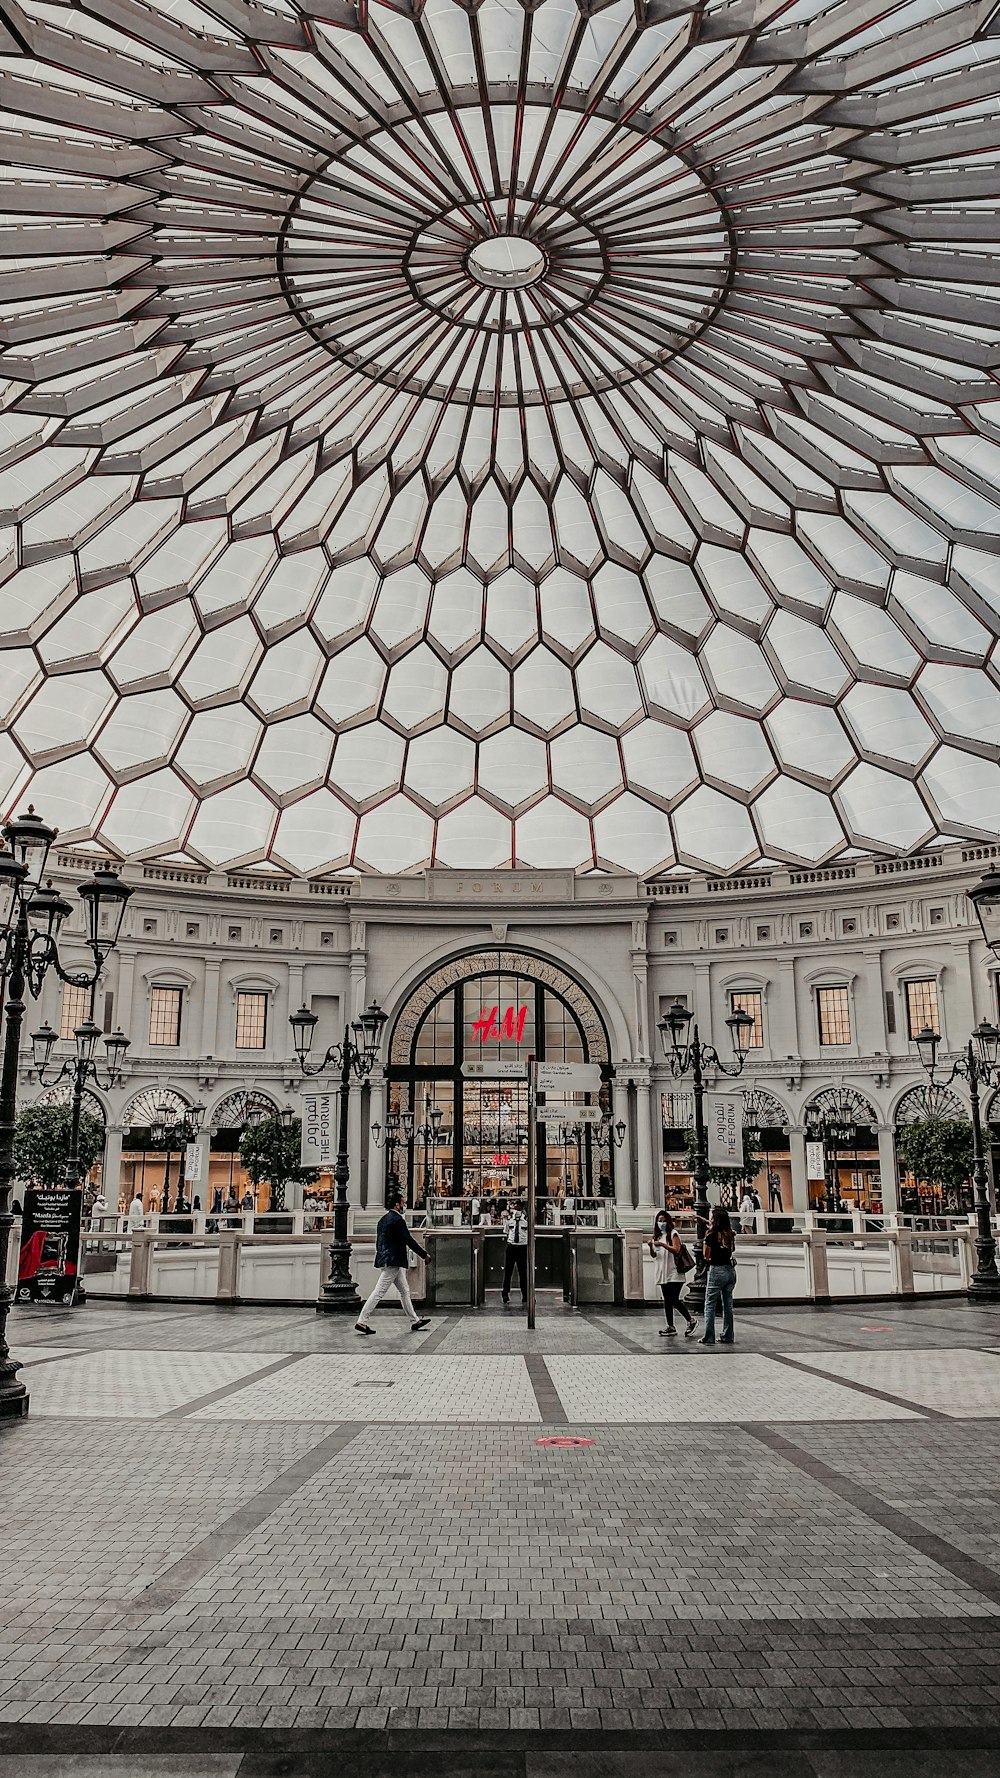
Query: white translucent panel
141	733
20	675
738	670
659	761
714	832
148	815
957	510
440	768
455	623
679	605
974	576
788	572
936	620
74	517
962	703
672	681
401	609
511	614
796	822
87	634
567	614
315	834
552	834
633	836
733	751
293	756
607	688
708	510
221	666
351	688
665	522
732	585
155	649
63	715
849	560
292	591
34	599
544	698
74	794
417	690
619	522
963	791
896	531
233	827
218	747
871	641
887	725
480	693
180	562
395	836
489	524
286	678
231	586
579	544
623	614
532	530
513	769
586	766
367	764
803	658
809	739
880	809
474	836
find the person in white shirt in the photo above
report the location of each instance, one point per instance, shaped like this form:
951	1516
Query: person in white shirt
665	1248
136	1215
748	1209
516	1252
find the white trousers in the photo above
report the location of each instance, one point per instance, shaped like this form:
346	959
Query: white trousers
389	1276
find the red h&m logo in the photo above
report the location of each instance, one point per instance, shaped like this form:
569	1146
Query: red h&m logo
488	1028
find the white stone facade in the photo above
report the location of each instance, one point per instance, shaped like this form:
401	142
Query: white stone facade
865	925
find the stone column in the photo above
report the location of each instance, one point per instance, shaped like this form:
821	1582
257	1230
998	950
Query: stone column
650	1188
111	1175
378	1106
888	1171
797	1157
626	1161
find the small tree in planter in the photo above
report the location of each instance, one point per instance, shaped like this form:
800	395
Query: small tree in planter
270	1156
937	1151
41	1144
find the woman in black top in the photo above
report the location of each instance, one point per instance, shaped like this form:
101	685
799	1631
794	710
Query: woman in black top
720	1257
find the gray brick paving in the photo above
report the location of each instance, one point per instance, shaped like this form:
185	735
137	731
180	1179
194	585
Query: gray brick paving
202	1575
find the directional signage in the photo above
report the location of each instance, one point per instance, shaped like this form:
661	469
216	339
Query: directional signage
569	1077
568	1114
495	1070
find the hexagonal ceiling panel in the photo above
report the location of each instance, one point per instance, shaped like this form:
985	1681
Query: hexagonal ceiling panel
479	432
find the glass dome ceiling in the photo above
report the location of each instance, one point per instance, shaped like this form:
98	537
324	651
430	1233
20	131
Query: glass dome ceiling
561	434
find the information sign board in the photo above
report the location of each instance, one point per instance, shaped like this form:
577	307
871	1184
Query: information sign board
319	1129
568	1114
724	1120
495	1070
569	1077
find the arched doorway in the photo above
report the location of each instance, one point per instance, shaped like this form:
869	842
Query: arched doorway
842	1124
923	1104
90	1106
145	1168
458	1065
226	1174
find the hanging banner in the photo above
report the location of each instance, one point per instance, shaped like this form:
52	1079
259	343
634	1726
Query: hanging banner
815	1161
194	1168
319	1127
49	1267
724	1121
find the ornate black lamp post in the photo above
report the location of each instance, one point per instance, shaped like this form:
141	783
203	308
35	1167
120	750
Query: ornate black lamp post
980	1066
356	1056
79	1068
688	1055
171	1133
429	1133
398	1131
31	918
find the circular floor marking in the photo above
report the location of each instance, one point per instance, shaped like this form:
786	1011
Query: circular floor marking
564	1441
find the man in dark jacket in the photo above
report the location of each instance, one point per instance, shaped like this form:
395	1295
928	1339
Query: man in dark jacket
392	1238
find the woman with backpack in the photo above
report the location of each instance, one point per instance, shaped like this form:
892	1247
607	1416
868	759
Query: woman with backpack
669	1255
720	1258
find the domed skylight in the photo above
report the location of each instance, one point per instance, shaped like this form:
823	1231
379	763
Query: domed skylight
490	434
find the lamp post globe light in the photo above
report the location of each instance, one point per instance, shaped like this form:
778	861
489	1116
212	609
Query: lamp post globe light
398	1132
980	1066
31	918
354	1057
172	1134
79	1068
687	1054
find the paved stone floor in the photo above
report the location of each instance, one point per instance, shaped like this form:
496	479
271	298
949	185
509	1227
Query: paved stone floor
245	1541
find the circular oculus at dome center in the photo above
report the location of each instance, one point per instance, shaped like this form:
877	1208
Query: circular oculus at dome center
506	262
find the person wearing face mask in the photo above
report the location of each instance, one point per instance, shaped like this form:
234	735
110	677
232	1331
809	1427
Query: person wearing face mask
665	1248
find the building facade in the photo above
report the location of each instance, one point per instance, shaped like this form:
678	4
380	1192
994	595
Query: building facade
838	968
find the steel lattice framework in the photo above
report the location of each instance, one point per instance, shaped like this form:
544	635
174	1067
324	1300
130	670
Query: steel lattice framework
562	434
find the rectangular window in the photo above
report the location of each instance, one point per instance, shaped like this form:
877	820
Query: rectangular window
751	1001
922	1007
251	1021
833	1010
75	1009
165	1017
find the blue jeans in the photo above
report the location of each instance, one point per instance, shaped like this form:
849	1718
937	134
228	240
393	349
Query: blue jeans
720	1287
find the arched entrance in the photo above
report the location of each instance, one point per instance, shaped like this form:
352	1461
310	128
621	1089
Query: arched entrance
841	1126
458	1065
953	1195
